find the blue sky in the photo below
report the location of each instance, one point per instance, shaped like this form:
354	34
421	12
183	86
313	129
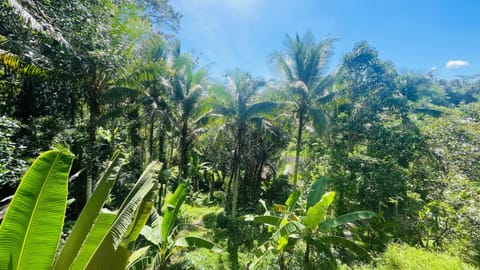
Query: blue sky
416	35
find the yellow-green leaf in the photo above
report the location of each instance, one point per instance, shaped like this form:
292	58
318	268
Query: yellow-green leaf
32	225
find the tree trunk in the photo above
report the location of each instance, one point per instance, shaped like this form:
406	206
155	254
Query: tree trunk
298	148
183	147
150	139
161	147
236	170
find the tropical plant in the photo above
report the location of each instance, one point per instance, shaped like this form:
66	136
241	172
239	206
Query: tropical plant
163	234
100	239
240	109
302	64
314	227
30	231
188	84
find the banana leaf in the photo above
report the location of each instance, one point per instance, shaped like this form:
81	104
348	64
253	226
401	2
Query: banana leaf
32	225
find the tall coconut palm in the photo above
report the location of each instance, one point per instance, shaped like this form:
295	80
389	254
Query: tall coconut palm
238	106
187	85
302	64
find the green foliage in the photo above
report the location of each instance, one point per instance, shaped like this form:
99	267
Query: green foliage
88	217
32	225
313	228
12	165
95	76
162	234
33	222
405	257
302	63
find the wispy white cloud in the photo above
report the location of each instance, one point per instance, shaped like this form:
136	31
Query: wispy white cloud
456	64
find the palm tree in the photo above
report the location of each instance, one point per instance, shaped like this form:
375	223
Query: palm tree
302	64
237	104
187	86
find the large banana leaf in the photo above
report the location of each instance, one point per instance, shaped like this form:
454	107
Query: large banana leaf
317	213
270	220
110	254
317	191
344	219
141	217
134	200
153	233
98	231
137	256
89	215
173	206
107	257
292	200
31	228
193	241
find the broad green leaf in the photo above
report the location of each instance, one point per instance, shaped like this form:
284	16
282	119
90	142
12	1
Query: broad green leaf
343	242
32	225
316	192
95	237
287	229
152	235
129	208
344	219
174	202
141	217
292	200
193	241
148	174
89	214
107	257
136	256
156	220
270	220
110	248
318	212
320	121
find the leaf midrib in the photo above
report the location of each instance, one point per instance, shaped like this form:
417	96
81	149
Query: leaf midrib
20	257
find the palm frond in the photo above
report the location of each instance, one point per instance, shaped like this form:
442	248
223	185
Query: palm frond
320	120
17	64
119	93
262	108
37	22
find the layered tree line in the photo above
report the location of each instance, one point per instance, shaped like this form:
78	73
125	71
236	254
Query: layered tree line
95	77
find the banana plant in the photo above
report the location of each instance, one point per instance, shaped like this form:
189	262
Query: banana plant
100	239
163	235
31	228
314	228
115	247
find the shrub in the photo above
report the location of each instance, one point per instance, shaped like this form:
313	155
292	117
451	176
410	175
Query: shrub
404	257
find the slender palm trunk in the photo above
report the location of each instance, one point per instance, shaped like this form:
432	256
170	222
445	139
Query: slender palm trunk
184	145
236	170
301	122
161	147
150	139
